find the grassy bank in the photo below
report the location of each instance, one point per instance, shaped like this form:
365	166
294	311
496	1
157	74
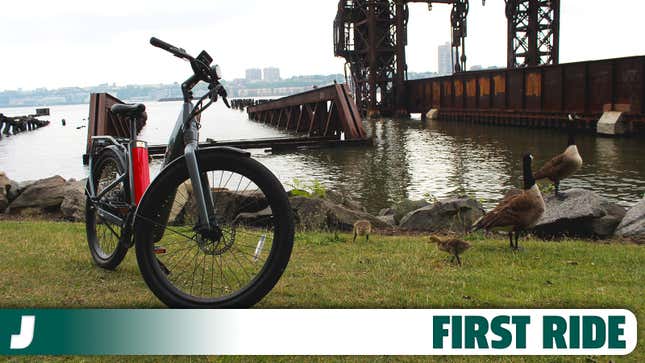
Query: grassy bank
46	264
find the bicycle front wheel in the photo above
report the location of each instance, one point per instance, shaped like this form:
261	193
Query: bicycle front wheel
188	270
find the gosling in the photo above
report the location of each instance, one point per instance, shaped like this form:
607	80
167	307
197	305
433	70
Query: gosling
362	228
453	246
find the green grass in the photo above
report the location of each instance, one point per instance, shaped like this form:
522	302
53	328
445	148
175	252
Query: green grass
45	264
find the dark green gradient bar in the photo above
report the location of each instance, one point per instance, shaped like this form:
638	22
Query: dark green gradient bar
128	332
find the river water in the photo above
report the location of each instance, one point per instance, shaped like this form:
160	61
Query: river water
410	159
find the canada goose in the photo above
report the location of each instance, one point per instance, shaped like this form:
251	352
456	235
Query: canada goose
453	246
362	228
561	166
518	212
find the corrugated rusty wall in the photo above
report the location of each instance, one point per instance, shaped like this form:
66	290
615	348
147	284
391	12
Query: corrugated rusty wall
586	88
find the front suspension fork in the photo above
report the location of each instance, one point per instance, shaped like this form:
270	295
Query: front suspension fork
201	190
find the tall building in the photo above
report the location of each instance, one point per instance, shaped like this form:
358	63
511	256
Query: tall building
271	74
445	61
254	74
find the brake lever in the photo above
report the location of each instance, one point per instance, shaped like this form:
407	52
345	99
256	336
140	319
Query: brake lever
222	92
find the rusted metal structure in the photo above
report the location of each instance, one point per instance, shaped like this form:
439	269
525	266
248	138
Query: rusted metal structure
322	112
537	95
102	122
242	103
372	34
533	32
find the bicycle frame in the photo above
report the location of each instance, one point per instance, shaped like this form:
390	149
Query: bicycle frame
183	142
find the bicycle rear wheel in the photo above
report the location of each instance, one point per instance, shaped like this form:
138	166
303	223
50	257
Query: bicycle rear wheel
187	270
108	241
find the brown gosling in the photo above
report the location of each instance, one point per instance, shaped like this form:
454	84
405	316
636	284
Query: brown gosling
561	166
453	246
362	228
517	212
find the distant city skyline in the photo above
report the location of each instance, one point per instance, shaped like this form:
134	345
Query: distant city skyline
76	43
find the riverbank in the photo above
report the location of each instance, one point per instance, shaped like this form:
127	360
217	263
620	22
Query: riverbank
581	213
50	266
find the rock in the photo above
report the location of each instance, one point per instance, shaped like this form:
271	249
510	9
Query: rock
389	219
4	181
343	199
227	203
453	215
4	201
310	213
73	205
406	206
45	195
322	214
633	225
386	212
6	186
258	219
343	219
179	210
582	213
14	191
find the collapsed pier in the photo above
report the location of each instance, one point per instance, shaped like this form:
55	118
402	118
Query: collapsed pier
17	124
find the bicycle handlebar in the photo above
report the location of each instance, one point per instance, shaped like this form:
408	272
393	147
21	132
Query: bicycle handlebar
201	68
176	51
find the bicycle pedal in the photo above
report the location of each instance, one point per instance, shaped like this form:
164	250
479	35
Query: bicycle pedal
159	250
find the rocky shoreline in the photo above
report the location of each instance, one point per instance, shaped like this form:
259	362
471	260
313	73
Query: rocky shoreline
582	214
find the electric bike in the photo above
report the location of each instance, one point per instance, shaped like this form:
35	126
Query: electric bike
213	230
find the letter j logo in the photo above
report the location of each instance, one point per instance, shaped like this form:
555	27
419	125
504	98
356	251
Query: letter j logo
26	335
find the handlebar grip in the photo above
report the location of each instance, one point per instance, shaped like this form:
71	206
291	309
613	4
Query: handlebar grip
161	44
170	48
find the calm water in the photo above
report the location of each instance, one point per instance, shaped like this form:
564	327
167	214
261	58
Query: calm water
411	158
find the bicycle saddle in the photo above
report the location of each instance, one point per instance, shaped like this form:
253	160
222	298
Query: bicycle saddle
132	110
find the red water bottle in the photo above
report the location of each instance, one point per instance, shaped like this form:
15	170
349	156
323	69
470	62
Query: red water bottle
140	169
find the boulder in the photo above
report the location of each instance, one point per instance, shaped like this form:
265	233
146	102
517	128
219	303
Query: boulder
45	195
73	205
14	191
344	199
5	182
227	203
6	186
343	219
389	219
453	215
4	200
310	213
633	225
386	212
582	213
322	214
402	208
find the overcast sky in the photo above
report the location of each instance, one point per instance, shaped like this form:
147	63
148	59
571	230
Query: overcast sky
81	43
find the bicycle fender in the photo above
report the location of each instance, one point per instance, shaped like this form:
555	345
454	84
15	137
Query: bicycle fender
119	152
181	160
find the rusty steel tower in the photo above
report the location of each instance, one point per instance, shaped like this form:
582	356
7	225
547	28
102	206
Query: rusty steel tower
533	32
372	34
